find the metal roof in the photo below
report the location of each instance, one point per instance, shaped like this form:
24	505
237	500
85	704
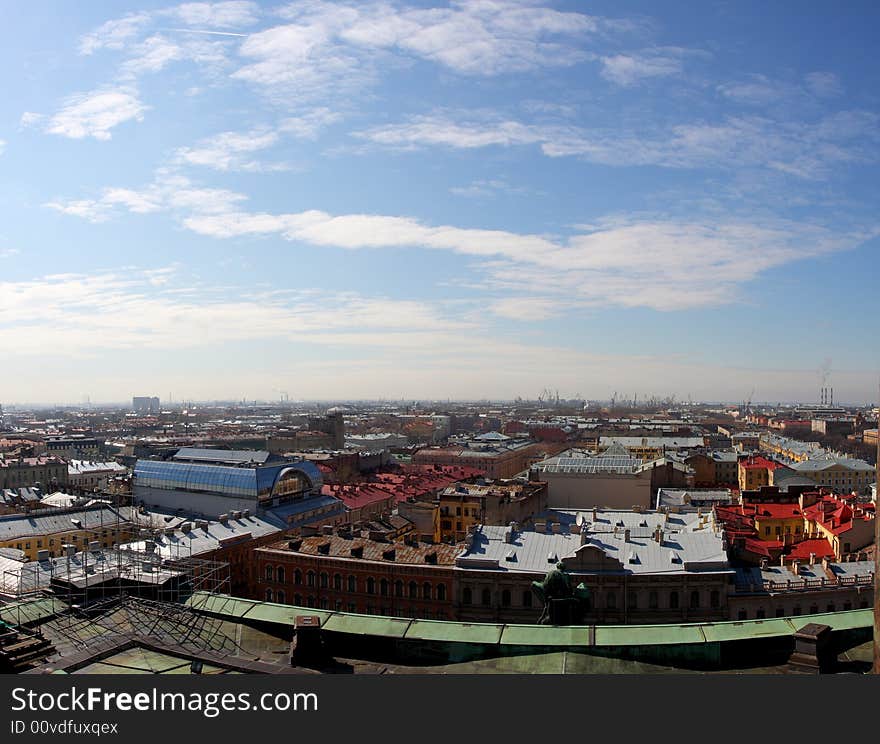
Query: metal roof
24	526
699	550
199	454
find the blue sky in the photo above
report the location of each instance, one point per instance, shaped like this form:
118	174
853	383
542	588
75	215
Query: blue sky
473	199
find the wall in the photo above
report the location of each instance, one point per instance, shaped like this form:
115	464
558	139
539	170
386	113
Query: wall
584	491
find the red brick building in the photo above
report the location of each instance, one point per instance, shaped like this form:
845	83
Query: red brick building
346	572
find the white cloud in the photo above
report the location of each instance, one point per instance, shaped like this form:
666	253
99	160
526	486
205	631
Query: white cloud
87	209
630	69
216	15
95	113
76	314
309	124
2	146
30	119
114	34
151	55
755	90
229	150
806	150
9	252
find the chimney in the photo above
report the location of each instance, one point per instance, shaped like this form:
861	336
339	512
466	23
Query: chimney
658	535
585	534
782	560
626	534
764	563
327	529
223	518
812	559
595	514
796	568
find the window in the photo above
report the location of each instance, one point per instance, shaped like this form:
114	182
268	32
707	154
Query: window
325	603
325	580
831	607
760	613
398	588
673	600
486	597
352	607
441	592
653	601
611	601
527	598
281	596
269	573
281	575
413	590
780	612
714	599
268	595
814	609
338	605
847	605
311	602
426	591
695	600
632	601
796	611
297	577
778	530
767	531
310	578
383	588
505	598
742	615
371	586
298	600
337	582
352	584
467	596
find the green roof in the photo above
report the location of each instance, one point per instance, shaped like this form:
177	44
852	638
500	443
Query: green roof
372	625
529	635
545	635
441	630
31	611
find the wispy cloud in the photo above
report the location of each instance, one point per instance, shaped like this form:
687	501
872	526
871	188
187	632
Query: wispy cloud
228	15
230	150
628	69
91	114
486	188
661	263
806	150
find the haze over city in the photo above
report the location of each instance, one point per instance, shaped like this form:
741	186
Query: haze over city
465	200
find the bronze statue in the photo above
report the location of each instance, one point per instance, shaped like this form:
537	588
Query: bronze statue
557	586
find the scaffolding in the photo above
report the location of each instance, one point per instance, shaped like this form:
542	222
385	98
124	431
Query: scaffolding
100	596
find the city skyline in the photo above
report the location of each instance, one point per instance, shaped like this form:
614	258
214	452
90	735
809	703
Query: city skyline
466	200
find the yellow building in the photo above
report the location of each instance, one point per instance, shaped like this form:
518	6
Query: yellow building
841	475
776	521
753	472
459	510
77	527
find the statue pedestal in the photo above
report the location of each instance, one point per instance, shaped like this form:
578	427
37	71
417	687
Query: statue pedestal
566	611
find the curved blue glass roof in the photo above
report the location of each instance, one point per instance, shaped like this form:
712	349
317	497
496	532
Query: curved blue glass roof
222	479
311	471
195	477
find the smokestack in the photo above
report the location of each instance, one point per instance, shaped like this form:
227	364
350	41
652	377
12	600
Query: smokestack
832	396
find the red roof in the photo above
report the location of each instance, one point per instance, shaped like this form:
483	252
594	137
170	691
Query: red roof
776	511
756	462
801	551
